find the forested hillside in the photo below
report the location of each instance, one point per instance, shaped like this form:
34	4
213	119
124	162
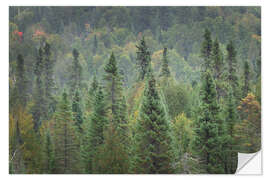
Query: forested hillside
133	89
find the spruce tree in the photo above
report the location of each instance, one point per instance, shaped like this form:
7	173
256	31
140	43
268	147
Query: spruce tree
113	87
232	64
48	154
91	94
77	110
154	151
38	110
208	127
218	67
246	85
231	118
143	59
21	82
48	80
76	73
94	136
206	50
165	65
65	139
117	116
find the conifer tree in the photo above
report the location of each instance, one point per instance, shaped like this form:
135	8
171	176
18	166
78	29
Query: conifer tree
246	86
65	139
231	118
165	65
38	110
76	74
77	110
21	83
208	127
217	60
143	59
48	80
206	50
118	115
91	94
154	151
94	137
48	154
218	67
113	87
232	64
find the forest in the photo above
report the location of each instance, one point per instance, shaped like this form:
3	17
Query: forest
133	90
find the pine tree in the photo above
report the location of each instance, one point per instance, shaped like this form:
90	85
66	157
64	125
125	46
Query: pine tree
231	118
218	67
65	139
246	86
208	127
21	82
232	63
77	110
48	80
76	74
94	132
206	50
48	154
117	116
165	65
217	60
153	135
143	59
38	110
113	87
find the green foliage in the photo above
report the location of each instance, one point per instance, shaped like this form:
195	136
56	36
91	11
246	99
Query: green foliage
153	135
165	67
65	139
207	129
143	59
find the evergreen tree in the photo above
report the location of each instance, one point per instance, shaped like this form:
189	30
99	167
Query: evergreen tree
246	86
118	116
218	67
143	59
21	82
65	139
48	80
206	50
77	110
113	87
217	60
91	94
94	132
165	65
48	154
76	74
38	110
231	118
154	151
232	63
208	127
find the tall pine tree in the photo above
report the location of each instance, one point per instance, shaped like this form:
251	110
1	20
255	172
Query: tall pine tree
165	71
206	50
65	139
143	59
154	151
207	127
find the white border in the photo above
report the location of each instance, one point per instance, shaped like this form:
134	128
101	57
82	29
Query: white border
4	76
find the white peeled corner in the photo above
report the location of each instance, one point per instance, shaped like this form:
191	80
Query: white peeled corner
249	163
